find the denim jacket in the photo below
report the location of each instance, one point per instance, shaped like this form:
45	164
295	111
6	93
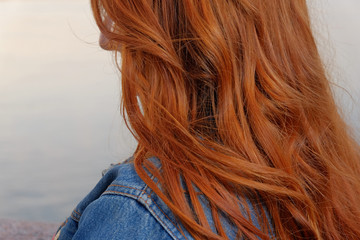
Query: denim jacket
122	206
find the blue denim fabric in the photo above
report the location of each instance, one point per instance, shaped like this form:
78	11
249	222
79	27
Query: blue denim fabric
122	206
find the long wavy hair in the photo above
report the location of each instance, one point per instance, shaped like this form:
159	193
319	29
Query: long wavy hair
233	96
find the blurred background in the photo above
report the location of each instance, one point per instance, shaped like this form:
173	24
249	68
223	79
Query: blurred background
60	124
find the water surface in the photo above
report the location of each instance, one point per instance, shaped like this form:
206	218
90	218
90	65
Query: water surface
59	100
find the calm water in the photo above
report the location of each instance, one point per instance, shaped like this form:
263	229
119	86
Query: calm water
59	99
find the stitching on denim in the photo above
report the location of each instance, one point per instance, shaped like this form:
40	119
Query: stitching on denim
140	197
146	186
115	192
143	191
149	195
118	185
64	223
76	219
167	216
77	212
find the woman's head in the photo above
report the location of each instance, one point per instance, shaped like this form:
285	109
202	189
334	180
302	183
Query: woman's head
205	53
232	95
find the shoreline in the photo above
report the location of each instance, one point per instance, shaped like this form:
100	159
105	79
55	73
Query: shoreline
12	229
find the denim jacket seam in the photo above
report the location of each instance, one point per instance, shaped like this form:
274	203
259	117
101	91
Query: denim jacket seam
165	214
143	192
139	197
75	215
116	192
152	200
119	185
58	231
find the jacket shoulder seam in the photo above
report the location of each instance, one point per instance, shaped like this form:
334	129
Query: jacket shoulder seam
137	196
143	201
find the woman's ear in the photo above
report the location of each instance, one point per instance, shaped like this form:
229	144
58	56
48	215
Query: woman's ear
104	42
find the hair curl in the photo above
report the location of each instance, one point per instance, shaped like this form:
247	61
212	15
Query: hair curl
232	96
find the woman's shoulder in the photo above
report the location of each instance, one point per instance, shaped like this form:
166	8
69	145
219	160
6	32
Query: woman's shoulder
121	206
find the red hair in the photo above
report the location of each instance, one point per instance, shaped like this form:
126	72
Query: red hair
232	96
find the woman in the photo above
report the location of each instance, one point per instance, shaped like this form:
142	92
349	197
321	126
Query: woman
238	133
